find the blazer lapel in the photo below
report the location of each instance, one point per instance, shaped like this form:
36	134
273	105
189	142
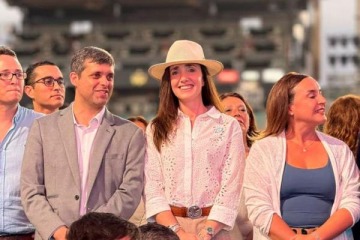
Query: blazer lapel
101	141
67	132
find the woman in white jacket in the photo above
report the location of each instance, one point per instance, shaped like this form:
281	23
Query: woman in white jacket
300	183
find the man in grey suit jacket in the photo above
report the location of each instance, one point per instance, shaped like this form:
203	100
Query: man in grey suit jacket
83	158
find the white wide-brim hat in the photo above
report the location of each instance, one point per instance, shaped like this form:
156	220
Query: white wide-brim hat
185	51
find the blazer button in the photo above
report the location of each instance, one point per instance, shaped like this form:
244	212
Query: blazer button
77	197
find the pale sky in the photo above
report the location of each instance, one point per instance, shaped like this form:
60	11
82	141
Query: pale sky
10	17
9	14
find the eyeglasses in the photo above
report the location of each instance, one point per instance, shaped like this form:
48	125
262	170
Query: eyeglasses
9	76
50	81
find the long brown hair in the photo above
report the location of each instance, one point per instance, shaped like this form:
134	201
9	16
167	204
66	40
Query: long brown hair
167	114
344	120
252	131
277	106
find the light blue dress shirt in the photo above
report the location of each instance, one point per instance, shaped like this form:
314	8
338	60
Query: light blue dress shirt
12	217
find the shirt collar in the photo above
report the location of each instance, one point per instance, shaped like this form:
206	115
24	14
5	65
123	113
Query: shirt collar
95	121
211	112
17	114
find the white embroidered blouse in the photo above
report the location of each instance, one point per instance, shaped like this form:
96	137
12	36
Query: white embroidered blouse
200	165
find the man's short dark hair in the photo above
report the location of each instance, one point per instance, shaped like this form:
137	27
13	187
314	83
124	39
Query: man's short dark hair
31	68
102	226
7	51
94	54
154	231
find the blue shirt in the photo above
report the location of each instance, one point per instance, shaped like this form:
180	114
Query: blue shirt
307	195
12	217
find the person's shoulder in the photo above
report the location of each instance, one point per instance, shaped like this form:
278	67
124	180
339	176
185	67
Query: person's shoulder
120	122
28	111
227	118
54	116
272	141
29	114
224	117
330	140
228	121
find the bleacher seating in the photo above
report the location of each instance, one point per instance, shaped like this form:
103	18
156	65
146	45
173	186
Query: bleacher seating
139	36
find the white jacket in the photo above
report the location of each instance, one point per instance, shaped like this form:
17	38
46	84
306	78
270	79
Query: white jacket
263	175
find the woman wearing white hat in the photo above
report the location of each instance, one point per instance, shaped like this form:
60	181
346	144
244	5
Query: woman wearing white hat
193	174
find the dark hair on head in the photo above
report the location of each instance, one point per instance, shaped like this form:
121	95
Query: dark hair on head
138	119
343	120
277	106
154	231
252	131
102	226
93	54
30	75
165	120
7	51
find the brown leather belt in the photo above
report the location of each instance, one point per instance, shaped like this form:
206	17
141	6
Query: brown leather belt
191	212
28	236
304	231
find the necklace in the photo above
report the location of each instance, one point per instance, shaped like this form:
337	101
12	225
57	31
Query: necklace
305	148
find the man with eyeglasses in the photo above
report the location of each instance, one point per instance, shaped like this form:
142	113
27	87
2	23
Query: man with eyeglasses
45	85
82	158
15	122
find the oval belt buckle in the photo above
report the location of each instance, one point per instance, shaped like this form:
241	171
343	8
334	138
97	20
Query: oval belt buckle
194	212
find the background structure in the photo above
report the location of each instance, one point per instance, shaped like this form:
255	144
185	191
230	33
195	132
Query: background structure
257	40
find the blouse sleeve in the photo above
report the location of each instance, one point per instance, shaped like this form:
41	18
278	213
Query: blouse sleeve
154	196
226	202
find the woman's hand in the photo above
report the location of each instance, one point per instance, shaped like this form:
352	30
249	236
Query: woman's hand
203	235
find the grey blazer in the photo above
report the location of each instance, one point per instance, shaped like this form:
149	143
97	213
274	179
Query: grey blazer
50	179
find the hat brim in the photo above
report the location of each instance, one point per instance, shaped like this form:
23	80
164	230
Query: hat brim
214	67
